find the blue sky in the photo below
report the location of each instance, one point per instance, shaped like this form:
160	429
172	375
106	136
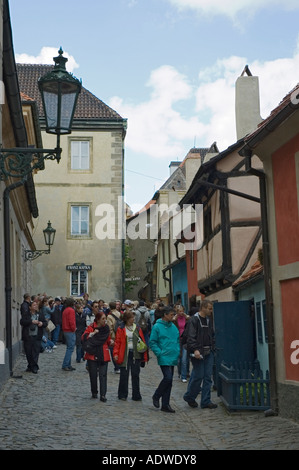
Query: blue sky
168	66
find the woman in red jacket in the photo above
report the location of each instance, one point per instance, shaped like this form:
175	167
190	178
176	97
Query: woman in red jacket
98	335
126	355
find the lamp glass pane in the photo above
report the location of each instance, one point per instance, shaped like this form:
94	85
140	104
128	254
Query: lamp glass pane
51	109
67	106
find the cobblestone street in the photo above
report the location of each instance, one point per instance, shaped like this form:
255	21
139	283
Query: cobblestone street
53	410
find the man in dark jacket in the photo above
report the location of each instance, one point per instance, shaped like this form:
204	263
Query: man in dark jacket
200	345
56	318
33	324
25	305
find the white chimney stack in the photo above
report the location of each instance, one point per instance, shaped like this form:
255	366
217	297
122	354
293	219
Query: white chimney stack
247	103
173	166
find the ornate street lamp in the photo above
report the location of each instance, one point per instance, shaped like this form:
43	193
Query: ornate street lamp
150	269
49	235
59	91
149	265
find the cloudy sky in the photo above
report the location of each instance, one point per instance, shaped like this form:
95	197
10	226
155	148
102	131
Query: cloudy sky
168	66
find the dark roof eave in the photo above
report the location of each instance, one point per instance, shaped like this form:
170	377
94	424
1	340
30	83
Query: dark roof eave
248	282
258	136
95	124
205	168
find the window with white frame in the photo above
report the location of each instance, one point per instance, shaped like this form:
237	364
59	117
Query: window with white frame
79	220
80	158
79	282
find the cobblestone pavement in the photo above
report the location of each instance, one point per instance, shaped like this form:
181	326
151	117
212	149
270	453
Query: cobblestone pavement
53	410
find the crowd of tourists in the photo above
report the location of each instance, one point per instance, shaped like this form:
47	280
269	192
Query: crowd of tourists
124	333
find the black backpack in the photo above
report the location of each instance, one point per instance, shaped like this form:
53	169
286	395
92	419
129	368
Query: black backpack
184	335
143	322
118	321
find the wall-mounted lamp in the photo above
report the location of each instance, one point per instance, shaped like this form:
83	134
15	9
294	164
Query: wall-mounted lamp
49	235
59	91
149	265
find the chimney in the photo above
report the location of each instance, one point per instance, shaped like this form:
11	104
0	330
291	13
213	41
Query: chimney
173	166
247	103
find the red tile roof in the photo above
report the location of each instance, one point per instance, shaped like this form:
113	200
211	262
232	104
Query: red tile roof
256	269
88	107
267	121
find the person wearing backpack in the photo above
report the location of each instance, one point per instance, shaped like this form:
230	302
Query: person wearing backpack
143	320
200	346
114	320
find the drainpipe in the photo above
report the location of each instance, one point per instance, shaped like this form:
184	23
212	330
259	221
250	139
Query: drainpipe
7	263
168	279
268	283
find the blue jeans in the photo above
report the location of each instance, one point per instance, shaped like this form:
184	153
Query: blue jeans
48	344
164	388
79	353
55	334
200	379
183	364
70	341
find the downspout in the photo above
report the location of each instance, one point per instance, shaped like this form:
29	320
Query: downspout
267	279
7	268
168	279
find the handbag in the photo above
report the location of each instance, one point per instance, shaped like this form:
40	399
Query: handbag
141	346
50	327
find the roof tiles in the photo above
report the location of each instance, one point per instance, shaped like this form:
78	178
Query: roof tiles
88	106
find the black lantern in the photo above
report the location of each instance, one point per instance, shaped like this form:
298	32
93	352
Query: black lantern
59	90
49	235
149	265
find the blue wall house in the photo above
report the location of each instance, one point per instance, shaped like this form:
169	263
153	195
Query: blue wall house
180	283
251	287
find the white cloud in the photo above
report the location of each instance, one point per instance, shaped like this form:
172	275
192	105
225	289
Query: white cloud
46	57
155	127
166	125
231	8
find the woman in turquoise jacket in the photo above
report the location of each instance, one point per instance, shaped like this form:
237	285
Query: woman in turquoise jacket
165	344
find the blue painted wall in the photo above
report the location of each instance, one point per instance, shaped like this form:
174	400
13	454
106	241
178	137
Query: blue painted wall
180	284
257	292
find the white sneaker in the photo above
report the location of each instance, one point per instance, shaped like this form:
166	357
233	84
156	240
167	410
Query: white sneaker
184	380
54	347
